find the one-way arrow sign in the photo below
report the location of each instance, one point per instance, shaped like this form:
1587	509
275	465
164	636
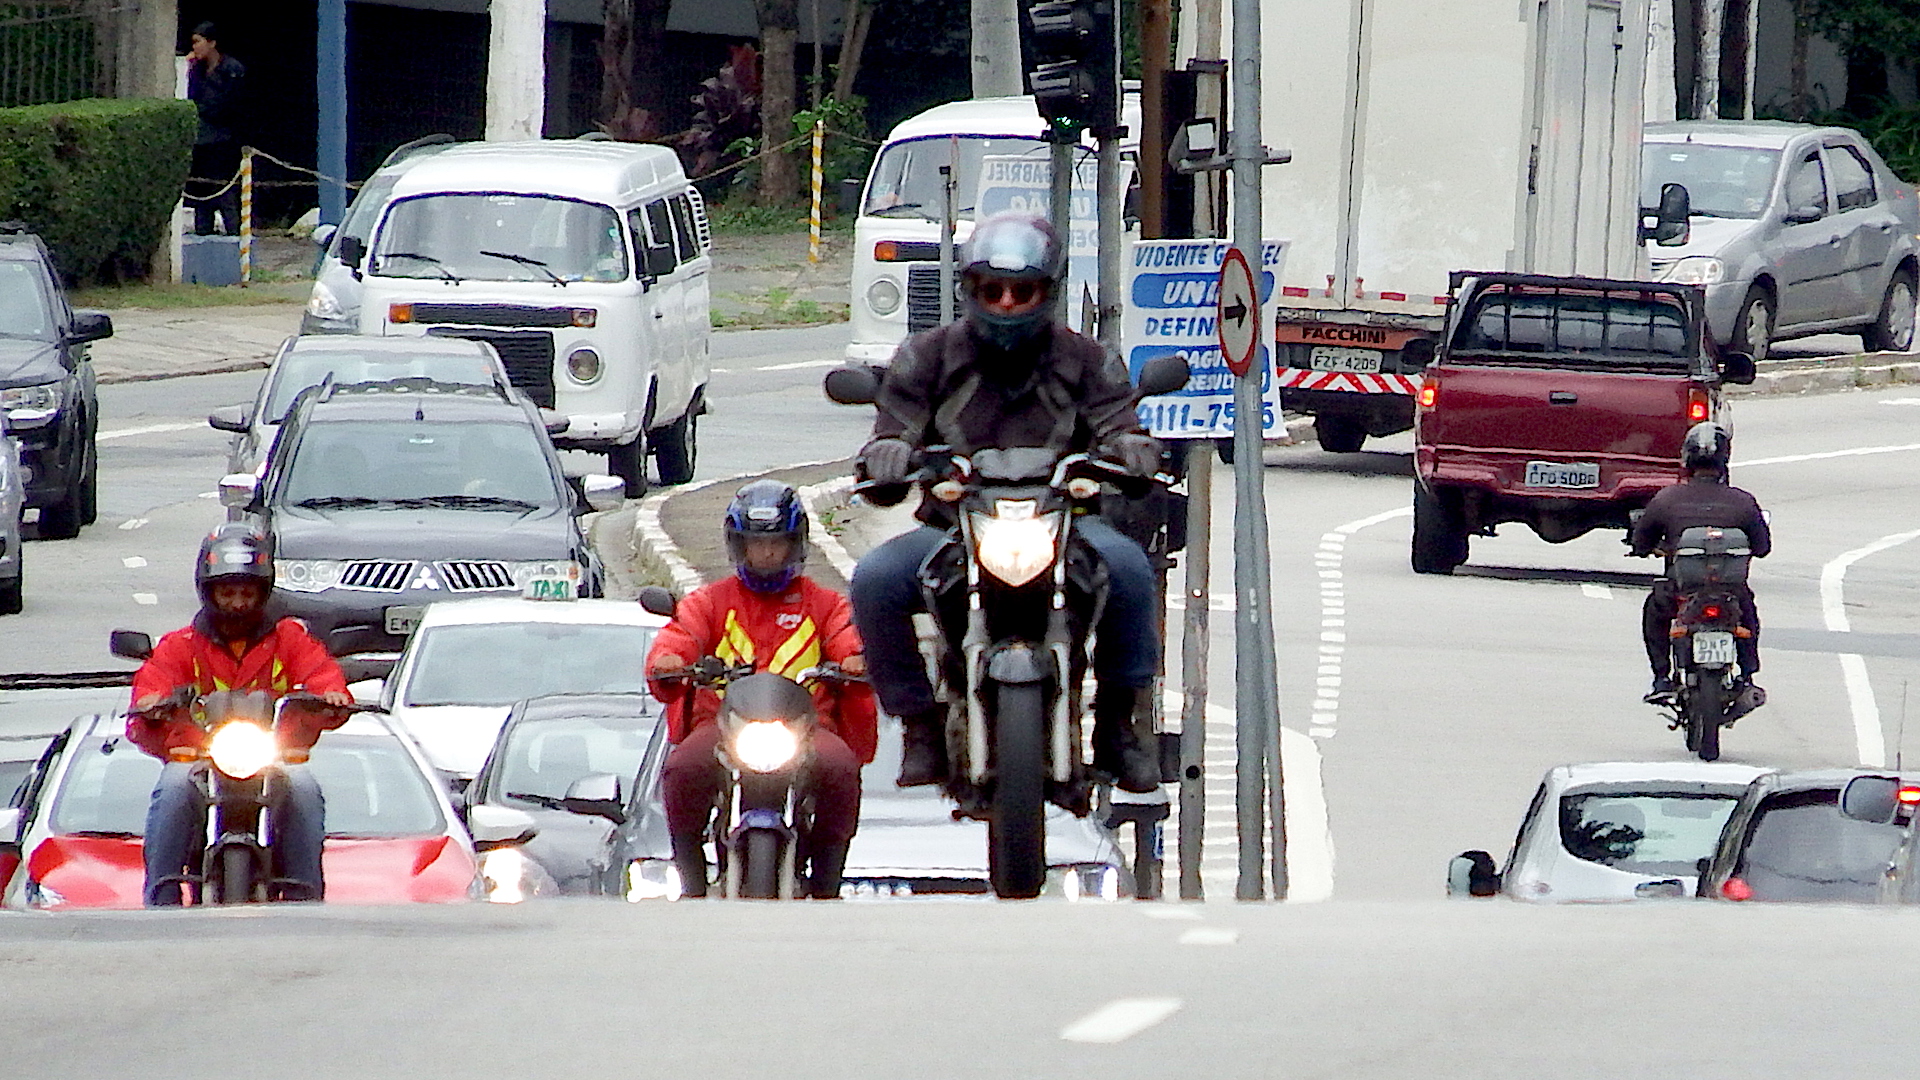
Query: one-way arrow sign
1238	313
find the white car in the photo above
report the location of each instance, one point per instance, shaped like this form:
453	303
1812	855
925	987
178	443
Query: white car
1611	831
470	660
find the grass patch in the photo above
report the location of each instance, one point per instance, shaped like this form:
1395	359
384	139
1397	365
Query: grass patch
743	218
778	307
168	296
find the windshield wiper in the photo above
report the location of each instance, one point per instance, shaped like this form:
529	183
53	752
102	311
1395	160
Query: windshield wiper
475	501
527	260
428	259
335	502
886	211
547	801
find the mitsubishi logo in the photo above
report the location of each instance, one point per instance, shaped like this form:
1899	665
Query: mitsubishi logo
423	578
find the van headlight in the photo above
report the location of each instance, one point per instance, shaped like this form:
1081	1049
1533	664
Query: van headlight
1697	270
583	366
1016	544
241	749
883	296
322	304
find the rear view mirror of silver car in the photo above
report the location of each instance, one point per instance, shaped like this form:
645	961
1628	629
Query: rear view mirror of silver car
1871	798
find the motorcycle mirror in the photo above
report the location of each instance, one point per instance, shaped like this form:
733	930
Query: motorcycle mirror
1870	798
596	795
1472	873
658	600
130	644
1738	368
852	385
1162	375
499	826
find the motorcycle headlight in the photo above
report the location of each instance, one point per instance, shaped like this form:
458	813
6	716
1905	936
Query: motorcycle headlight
883	296
1015	544
27	406
652	879
322	304
1697	270
241	749
508	876
765	745
306	575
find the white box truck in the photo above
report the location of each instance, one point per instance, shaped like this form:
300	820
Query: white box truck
1430	136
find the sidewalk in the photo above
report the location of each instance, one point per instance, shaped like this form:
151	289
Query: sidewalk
153	344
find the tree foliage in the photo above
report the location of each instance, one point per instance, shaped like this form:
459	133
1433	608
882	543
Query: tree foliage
1891	27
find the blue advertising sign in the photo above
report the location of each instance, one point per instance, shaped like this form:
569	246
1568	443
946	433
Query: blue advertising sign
1172	308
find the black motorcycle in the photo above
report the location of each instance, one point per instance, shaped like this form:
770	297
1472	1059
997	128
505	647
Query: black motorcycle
244	761
1016	598
1708	572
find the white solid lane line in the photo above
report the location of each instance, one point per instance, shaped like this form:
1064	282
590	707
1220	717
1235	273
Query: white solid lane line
147	429
1858	451
1869	738
1117	1021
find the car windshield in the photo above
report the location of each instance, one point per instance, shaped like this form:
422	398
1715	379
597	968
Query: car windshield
24	310
1721	181
543	758
1657	834
348	462
372	788
906	177
1634	330
1800	847
298	369
501	663
501	238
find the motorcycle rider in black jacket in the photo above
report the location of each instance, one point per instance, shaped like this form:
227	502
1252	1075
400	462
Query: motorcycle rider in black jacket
1704	498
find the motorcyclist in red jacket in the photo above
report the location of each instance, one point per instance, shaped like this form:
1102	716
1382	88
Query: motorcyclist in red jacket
771	615
232	644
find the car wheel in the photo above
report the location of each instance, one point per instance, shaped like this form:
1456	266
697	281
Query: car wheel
1892	330
1753	330
1339	434
13	596
62	520
628	461
90	486
674	449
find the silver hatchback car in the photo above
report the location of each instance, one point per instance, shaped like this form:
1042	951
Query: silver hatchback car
1794	230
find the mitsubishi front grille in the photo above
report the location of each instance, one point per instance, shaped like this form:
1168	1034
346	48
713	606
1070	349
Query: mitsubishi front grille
476	575
380	575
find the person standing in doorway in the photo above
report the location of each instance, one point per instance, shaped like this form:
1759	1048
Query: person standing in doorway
216	85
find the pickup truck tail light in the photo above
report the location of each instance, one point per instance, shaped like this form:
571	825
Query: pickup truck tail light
1429	392
1698	406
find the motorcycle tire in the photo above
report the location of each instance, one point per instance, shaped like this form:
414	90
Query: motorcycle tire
1704	713
759	852
1016	834
236	875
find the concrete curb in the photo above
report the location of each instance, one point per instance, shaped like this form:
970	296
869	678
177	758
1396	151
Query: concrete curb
223	367
650	536
813	497
1847	373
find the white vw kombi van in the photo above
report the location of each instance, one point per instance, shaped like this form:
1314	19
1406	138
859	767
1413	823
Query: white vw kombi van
583	263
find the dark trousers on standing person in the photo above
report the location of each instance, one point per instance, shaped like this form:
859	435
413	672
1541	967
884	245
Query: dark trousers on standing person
215	165
177	831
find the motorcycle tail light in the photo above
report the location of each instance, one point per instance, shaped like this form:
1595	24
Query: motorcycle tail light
1711	611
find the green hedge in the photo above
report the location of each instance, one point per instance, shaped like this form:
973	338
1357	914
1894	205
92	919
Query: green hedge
97	179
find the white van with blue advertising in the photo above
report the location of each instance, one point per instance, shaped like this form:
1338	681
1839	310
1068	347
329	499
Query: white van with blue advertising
585	264
997	159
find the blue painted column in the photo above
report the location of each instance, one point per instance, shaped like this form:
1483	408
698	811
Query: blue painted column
330	83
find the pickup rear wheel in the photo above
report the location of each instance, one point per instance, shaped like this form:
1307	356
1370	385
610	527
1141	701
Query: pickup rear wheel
1439	532
1753	330
1892	331
1339	434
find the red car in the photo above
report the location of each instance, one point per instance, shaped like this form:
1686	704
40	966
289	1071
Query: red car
71	838
1559	403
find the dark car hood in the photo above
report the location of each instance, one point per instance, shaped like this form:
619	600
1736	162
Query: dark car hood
572	848
394	533
23	363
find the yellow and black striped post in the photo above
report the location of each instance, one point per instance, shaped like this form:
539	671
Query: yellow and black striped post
246	215
813	244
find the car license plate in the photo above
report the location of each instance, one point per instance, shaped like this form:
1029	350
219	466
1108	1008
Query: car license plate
1359	361
1563	474
403	620
1712	647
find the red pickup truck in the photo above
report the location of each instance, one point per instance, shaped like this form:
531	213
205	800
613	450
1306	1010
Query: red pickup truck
1560	402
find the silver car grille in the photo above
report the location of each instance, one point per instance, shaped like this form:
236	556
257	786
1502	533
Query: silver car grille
380	575
475	575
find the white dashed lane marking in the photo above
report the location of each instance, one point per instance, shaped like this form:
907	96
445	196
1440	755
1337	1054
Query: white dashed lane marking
1209	935
133	523
149	429
1117	1021
1598	592
133	562
145	598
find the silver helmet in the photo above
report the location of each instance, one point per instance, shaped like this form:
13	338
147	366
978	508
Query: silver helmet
1008	249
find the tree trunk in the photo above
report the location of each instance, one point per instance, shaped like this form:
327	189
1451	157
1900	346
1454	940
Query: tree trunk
779	37
853	41
1799	101
1706	79
651	89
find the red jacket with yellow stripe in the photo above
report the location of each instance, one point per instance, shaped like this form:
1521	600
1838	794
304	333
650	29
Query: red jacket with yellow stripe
785	633
285	659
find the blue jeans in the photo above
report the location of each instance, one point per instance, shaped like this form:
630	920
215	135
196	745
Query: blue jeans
177	830
886	594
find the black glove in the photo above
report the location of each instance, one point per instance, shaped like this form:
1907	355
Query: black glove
886	460
1139	453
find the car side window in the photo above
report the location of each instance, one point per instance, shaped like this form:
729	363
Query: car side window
1852	178
683	229
1807	187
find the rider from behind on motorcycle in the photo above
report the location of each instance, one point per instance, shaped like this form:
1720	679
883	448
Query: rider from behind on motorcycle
1704	498
772	616
1008	375
234	643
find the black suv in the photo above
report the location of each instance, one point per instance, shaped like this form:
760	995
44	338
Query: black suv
384	497
46	384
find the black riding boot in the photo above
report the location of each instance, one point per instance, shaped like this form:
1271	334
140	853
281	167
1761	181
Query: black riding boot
1123	741
828	861
690	859
923	760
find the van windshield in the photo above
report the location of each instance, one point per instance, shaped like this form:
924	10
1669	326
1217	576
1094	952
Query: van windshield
501	238
906	177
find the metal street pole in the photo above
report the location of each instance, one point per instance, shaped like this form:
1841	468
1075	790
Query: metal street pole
1112	235
1060	209
1256	700
330	84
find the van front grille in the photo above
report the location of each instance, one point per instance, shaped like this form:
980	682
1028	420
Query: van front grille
528	357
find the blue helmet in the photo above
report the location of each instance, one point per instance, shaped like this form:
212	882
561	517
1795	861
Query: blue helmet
767	508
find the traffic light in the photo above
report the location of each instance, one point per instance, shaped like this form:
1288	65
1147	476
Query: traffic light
1070	50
